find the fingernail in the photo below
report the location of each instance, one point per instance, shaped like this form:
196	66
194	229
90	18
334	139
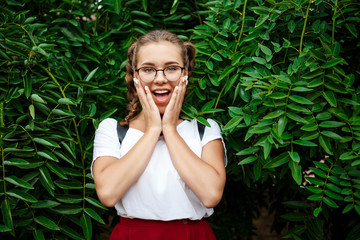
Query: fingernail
187	82
136	81
176	88
146	88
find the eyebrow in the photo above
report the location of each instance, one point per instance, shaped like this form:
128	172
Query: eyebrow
152	64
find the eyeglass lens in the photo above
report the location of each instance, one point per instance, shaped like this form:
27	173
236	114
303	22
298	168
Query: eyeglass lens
148	74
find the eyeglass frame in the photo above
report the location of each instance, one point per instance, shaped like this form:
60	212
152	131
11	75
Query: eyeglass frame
156	71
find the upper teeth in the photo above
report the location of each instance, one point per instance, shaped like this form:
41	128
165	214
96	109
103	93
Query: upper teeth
161	91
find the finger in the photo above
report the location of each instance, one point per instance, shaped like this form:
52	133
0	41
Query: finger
141	94
182	90
149	98
173	99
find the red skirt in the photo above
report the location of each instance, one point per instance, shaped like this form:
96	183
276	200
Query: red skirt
139	229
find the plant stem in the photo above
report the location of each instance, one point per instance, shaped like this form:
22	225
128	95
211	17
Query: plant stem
242	25
333	26
304	27
2	148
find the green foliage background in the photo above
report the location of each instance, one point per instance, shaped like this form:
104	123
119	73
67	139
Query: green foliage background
280	77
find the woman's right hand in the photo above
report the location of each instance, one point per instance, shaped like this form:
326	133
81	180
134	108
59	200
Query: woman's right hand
149	108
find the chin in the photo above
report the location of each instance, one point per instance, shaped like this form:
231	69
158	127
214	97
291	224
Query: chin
161	109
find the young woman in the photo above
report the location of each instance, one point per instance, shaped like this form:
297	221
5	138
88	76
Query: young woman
163	179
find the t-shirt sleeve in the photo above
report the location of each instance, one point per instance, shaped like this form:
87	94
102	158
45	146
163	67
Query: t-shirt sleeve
211	133
106	142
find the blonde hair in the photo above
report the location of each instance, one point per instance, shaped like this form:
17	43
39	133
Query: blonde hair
187	51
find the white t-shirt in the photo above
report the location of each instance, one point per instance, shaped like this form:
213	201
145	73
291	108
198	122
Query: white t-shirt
159	193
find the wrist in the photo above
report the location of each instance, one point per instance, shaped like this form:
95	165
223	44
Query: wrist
153	131
169	130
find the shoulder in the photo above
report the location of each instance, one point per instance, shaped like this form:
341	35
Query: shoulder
213	123
108	123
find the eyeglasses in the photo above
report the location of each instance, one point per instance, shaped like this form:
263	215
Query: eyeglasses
148	74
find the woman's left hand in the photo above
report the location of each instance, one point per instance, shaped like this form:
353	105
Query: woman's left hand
173	109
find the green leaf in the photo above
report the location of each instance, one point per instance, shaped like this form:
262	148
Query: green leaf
330	98
291	26
32	111
68	210
281	125
38	234
45	204
315	197
56	169
330	202
331	135
209	65
248	160
95	202
143	23
6	214
317	211
301	100
18	182
318	172
94	215
46	222
37	98
314	189
333	195
275	114
108	113
4	228
261	20
296	171
294	156
305	143
333	62
227	71
259	60
331	124
348	208
233	123
67	101
63	112
315	181
278	161
296	117
294	216
44	173
21	195
70	232
117	6
48	155
325	144
46	142
86	226
248	151
265	50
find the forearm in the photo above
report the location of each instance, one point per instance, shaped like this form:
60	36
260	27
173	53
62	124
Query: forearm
113	177
205	178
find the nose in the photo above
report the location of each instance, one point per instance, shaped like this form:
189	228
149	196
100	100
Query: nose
160	76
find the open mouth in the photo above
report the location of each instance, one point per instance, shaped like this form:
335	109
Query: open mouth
161	96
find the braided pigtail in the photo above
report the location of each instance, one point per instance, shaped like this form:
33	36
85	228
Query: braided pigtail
189	56
133	106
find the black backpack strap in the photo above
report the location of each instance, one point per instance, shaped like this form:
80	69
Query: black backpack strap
121	131
201	129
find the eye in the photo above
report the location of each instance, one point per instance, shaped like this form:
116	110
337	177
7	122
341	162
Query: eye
147	70
172	69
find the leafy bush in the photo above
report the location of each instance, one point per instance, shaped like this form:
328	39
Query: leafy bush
280	77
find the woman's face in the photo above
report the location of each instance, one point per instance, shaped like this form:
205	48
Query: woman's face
160	55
